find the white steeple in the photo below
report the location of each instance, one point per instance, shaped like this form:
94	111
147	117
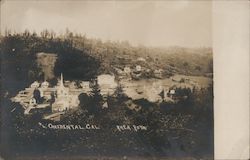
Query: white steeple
61	81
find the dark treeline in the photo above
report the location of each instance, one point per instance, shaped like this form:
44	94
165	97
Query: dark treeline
82	58
19	66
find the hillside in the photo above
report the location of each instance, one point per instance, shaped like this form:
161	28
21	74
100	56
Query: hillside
188	61
82	58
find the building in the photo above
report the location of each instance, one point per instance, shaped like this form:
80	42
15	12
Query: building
138	68
32	102
107	83
158	73
127	70
45	84
141	59
63	99
46	91
85	86
35	85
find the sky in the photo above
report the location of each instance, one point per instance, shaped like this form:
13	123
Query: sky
151	23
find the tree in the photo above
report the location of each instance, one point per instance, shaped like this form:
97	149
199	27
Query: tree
119	93
96	97
85	101
53	81
37	96
78	84
44	34
52	100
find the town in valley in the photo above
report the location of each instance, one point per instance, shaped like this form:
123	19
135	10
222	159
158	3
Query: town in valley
64	96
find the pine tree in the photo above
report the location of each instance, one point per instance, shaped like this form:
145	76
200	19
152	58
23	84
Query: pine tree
96	97
119	93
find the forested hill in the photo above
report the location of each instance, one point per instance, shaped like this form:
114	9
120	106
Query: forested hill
180	60
19	65
83	58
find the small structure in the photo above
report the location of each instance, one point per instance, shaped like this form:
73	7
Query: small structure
85	86
35	85
158	73
127	70
107	83
141	59
172	91
106	79
32	102
105	105
45	84
138	68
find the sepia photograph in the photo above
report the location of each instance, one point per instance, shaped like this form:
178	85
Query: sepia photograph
126	80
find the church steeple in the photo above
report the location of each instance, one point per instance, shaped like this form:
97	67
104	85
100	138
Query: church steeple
61	80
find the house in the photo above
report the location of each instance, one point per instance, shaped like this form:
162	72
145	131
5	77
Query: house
105	105
141	59
45	90
35	85
85	86
172	92
45	84
107	83
127	70
138	68
106	79
158	73
32	102
136	75
118	70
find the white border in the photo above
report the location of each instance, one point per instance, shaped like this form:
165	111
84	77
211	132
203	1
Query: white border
231	76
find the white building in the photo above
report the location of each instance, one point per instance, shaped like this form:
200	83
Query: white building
106	79
84	84
107	83
138	68
158	73
127	70
35	85
172	91
141	59
32	102
45	84
64	100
